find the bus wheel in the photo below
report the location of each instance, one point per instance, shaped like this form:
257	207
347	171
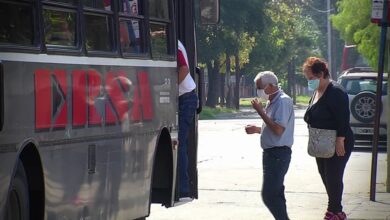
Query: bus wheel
17	207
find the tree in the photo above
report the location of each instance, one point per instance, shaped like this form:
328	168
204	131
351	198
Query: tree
256	35
353	23
290	38
233	37
210	50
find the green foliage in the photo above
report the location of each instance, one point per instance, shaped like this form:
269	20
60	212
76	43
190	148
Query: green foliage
240	21
303	99
353	23
211	113
352	16
290	35
246	102
265	34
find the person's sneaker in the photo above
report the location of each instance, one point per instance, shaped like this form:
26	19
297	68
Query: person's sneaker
183	200
333	216
342	216
330	216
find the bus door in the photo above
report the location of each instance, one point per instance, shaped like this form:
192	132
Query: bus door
185	31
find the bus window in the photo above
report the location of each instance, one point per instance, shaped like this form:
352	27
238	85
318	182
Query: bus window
131	33
98	32
60	27
160	30
16	29
98	4
159	9
131	7
70	2
158	33
130	36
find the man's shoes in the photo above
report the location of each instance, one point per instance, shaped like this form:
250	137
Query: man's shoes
185	199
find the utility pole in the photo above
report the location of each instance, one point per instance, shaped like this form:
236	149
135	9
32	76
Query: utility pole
378	101
329	28
388	118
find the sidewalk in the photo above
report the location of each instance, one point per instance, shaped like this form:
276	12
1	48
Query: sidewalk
357	204
362	208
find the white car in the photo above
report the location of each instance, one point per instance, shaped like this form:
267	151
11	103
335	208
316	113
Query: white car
361	85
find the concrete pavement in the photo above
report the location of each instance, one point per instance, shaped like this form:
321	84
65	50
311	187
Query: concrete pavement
230	176
357	204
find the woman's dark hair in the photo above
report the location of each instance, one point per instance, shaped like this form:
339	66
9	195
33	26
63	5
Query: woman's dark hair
317	66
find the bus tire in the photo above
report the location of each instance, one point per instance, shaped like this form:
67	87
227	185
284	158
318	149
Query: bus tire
17	207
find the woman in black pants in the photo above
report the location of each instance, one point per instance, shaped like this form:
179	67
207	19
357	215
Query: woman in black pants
329	109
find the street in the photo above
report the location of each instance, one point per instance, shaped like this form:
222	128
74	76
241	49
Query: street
230	176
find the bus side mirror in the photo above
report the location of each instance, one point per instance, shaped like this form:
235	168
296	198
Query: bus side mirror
209	11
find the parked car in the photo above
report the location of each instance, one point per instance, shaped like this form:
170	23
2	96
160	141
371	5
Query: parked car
361	84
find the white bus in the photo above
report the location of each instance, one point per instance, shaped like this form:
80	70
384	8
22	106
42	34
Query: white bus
88	106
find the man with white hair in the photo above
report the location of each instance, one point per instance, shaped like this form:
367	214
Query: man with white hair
276	140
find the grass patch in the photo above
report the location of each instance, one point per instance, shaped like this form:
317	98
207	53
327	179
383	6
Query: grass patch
246	102
211	113
301	99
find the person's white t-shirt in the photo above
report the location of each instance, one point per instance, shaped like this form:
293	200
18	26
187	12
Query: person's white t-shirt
188	84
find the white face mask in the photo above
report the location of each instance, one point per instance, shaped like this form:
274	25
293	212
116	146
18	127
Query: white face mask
261	94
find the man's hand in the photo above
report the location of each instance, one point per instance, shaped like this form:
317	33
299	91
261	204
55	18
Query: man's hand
252	129
257	105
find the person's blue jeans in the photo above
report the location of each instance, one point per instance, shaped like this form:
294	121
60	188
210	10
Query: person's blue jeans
275	165
188	103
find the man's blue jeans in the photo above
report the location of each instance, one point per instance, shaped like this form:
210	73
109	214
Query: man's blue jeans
188	103
276	161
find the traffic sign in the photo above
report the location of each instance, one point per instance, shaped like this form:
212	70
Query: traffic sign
377	11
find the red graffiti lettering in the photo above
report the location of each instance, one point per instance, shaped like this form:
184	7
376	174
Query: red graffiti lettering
59	93
79	96
117	85
94	86
93	103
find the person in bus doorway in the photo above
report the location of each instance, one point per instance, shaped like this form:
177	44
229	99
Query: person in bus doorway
276	140
188	102
329	109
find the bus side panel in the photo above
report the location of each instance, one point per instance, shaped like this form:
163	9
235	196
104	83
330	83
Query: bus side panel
7	164
10	138
96	127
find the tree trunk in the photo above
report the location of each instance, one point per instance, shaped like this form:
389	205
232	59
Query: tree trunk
291	80
225	82
237	85
212	90
203	92
222	101
217	82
